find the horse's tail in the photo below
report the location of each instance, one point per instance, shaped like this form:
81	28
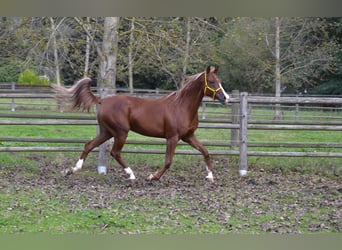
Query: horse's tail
79	95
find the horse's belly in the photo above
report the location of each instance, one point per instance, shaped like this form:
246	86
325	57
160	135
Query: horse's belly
148	127
152	118
149	123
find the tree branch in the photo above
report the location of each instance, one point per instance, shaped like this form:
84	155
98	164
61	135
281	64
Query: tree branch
284	72
87	28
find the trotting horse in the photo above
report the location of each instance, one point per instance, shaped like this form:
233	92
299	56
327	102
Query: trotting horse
174	117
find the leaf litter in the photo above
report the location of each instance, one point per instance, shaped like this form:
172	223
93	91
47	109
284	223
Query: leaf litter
182	201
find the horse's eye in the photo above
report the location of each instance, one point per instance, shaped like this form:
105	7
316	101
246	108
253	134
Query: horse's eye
211	82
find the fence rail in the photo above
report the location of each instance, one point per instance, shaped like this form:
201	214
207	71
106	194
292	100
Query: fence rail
238	118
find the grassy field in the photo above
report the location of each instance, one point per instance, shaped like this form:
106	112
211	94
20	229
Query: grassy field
280	195
39	199
324	165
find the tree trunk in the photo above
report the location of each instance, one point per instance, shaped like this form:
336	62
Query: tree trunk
277	114
130	57
187	47
86	62
107	74
56	60
55	52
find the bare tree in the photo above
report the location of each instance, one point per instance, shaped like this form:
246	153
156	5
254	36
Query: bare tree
108	55
130	56
177	46
107	68
107	50
55	50
87	53
271	54
187	45
277	114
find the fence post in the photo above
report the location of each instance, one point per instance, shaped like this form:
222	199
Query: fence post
203	110
297	112
102	161
243	166
13	102
234	133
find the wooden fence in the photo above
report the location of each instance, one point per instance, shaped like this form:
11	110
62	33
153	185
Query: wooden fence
240	120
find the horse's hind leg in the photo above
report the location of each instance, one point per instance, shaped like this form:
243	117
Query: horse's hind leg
89	146
119	142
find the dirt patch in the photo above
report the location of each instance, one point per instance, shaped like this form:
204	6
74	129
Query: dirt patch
260	202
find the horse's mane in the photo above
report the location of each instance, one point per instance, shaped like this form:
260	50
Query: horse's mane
186	85
188	80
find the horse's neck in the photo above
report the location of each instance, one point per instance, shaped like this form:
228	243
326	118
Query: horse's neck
190	98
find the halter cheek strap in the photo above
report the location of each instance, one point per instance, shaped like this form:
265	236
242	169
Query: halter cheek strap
207	87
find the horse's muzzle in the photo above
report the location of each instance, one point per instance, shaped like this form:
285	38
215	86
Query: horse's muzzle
222	97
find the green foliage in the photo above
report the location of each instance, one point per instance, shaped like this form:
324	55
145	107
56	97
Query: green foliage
9	70
165	48
332	87
30	77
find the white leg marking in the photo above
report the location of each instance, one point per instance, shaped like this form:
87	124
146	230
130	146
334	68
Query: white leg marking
210	174
129	171
78	166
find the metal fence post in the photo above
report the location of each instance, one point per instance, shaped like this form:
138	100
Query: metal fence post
243	166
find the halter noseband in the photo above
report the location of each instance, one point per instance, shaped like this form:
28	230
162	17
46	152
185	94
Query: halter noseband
207	87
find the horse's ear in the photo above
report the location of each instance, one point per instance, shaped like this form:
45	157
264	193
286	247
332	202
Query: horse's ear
207	70
216	69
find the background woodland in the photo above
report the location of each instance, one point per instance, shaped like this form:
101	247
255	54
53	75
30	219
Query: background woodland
260	55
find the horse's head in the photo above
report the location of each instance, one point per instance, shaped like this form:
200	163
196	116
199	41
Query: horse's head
212	85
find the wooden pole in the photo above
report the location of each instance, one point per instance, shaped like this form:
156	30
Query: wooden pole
102	161
203	110
234	133
243	166
13	102
107	67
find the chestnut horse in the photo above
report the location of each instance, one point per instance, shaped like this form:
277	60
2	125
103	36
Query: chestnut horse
174	117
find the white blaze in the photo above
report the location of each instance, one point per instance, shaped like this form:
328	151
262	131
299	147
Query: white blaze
225	93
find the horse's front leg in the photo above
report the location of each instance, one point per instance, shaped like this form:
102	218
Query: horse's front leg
171	144
194	142
119	142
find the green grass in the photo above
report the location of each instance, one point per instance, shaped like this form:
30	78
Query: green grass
35	198
34	211
222	135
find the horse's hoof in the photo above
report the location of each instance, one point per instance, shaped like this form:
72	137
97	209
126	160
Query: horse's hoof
211	180
132	180
66	172
150	178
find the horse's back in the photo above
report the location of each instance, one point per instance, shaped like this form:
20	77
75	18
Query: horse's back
142	115
124	103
